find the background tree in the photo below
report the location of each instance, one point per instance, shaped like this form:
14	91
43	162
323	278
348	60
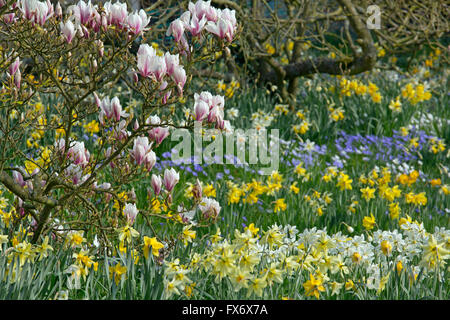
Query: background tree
339	29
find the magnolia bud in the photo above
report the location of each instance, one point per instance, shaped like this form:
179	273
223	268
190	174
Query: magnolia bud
97	100
169	199
166	97
58	11
17	78
130	211
101	49
117	108
14	66
227	52
136	125
156	184
18	178
171	178
132	195
85	31
163	85
197	191
201	110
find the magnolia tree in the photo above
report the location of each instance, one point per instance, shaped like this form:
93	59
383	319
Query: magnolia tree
60	69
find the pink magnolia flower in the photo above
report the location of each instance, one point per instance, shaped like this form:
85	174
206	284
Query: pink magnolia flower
28	7
215	105
103	186
171	178
220	122
18	178
75	173
137	22
37	11
176	29
100	46
149	64
14	66
104	22
142	153
156	184
117	13
9	18
68	30
58	10
214	114
220	29
144	57
210	208
163	85
60	145
79	154
111	109
105	109
150	160
140	150
211	101
130	211
158	134
153	120
201	110
218	101
196	25
83	11
229	15
95	22
158	68
84	31
204	96
225	26
44	12
120	131
211	14
17	78
199	8
172	61
179	77
117	109
166	97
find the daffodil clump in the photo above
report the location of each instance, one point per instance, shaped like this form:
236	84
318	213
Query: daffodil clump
347	88
312	263
229	89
